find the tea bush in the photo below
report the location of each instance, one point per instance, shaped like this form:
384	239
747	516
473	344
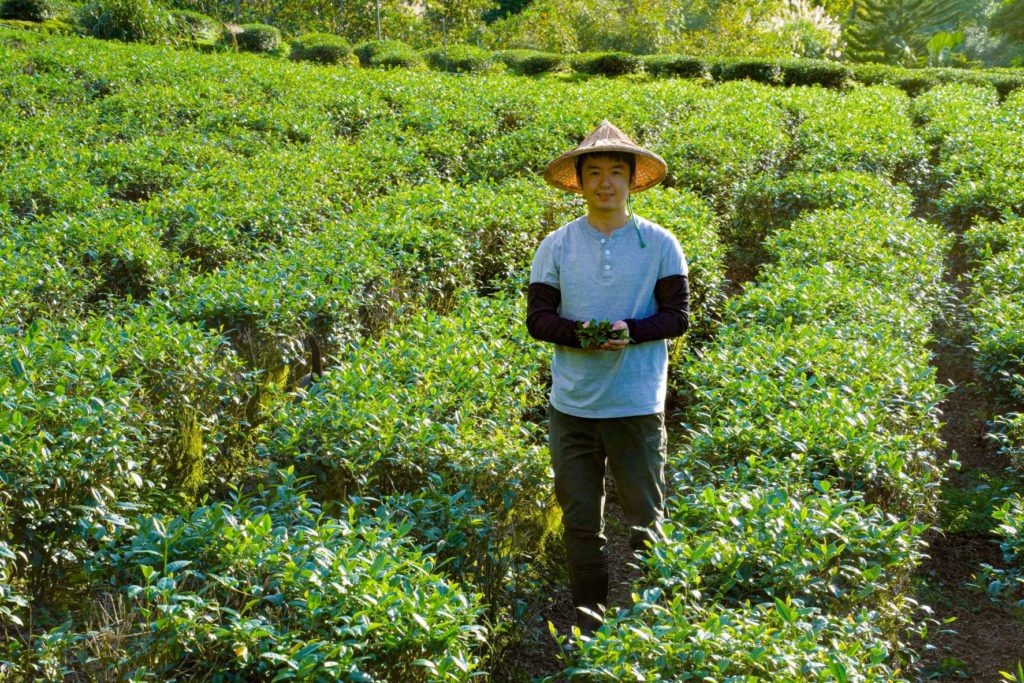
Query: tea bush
765	204
739	68
438	420
388	53
676	65
459	59
606	63
867	129
130	20
995	311
100	424
673	639
1007	582
370	49
531	62
258	38
816	72
264	586
752	542
196	26
56	268
28	10
977	159
717	142
324	48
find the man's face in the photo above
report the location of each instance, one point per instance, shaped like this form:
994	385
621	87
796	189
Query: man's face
605	183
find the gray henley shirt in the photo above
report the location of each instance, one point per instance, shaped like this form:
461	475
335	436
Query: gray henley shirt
608	278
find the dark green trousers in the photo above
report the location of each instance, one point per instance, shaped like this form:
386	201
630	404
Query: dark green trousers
634	448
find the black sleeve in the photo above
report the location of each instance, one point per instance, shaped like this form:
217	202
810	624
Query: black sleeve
673	317
542	319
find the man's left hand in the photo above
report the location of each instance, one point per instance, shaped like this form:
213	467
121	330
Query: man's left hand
616	344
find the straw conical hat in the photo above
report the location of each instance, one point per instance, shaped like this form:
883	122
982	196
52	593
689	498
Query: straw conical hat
650	168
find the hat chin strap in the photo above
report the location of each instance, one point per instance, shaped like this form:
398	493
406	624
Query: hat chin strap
629	206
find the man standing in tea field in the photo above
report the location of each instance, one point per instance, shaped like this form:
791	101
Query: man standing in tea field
608	289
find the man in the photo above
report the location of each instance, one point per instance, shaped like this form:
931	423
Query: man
608	401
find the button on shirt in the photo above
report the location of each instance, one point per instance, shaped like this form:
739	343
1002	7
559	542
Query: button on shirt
608	278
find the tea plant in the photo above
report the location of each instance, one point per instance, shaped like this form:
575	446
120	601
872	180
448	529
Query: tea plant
594	333
265	586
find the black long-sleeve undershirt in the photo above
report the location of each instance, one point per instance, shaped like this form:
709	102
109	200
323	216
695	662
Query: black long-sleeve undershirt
672	294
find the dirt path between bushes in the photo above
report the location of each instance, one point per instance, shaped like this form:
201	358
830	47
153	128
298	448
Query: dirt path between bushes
985	637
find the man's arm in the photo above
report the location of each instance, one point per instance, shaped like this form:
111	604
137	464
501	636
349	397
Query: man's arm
542	319
673	317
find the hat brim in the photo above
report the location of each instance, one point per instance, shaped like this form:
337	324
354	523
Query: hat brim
650	168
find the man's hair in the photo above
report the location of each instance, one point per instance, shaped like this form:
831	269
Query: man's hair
627	158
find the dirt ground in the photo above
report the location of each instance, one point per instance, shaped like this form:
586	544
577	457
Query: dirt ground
985	637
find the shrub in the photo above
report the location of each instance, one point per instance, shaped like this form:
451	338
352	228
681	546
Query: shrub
607	63
271	588
196	26
531	62
760	70
764	204
459	59
259	38
387	53
1007	583
130	20
911	81
722	140
1005	83
101	418
677	65
28	10
323	48
867	129
816	72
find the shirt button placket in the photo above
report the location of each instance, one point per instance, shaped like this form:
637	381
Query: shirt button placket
606	259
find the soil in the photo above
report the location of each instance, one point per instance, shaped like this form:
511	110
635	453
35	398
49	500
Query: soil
985	638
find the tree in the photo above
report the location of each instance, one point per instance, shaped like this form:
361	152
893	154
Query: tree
1008	20
897	31
454	19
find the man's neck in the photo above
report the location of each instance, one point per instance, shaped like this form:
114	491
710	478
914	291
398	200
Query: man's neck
608	221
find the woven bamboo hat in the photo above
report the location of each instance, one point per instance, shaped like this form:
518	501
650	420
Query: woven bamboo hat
650	168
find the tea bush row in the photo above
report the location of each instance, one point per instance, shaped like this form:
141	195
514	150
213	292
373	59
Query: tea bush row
264	586
765	204
868	130
1007	582
105	418
996	260
505	127
975	141
810	472
438	408
996	253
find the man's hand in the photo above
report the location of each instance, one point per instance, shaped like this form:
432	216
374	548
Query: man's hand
612	344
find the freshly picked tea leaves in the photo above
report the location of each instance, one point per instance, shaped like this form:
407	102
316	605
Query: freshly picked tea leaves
596	333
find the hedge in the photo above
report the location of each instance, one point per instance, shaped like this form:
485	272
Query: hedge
606	63
196	26
28	10
258	38
531	62
323	48
459	59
